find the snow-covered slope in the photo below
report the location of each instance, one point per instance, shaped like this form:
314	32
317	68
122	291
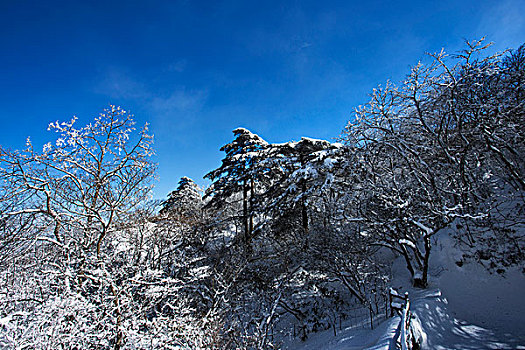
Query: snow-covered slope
466	307
494	301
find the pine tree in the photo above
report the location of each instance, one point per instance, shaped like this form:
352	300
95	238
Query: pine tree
185	202
293	177
237	175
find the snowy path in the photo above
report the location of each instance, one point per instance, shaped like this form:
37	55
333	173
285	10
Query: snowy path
476	310
441	331
380	338
444	331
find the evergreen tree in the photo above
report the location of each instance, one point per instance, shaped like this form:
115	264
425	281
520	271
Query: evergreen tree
293	180
238	175
185	201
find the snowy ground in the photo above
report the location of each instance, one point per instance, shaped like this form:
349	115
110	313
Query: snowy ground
465	308
351	339
442	330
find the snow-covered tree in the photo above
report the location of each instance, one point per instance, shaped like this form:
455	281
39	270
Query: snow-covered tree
185	201
425	152
83	182
72	200
237	177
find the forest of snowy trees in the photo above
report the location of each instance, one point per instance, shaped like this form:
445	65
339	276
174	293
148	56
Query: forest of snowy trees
288	236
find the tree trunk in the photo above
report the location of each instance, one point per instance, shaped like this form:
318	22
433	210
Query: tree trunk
252	191
407	260
304	216
245	215
424	279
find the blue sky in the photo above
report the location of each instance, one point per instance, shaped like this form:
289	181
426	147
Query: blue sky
196	70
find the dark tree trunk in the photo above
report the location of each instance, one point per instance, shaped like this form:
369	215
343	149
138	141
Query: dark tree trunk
407	260
304	216
245	214
428	246
252	192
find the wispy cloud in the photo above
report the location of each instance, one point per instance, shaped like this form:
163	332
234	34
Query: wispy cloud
168	110
118	84
178	66
179	101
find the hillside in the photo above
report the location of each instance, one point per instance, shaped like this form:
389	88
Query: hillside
464	308
423	192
